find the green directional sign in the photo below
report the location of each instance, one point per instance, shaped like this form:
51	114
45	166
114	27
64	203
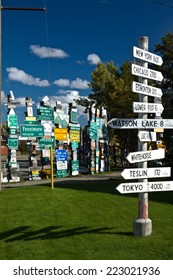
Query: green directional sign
61	173
93	134
12	121
43	142
13	143
31	130
75	165
45	113
93	125
31	122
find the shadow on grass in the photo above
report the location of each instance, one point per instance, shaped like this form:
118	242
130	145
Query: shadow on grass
109	186
53	232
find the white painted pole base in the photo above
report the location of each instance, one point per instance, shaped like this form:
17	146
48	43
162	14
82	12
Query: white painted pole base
142	227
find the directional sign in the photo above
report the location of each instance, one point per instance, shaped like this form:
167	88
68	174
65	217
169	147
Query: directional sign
31	130
146	90
142	107
145	187
140	123
146	73
146	136
147	56
146	155
13	143
60	133
45	113
47	141
61	155
12	120
143	173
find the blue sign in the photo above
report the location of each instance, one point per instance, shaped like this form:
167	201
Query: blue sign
61	155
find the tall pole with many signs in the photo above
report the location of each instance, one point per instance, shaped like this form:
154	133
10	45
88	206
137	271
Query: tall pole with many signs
143	225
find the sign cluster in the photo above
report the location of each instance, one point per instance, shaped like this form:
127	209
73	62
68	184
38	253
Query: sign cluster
145	135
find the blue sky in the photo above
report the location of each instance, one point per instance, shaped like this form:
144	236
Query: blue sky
79	34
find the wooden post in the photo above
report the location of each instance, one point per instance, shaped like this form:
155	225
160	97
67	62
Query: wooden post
142	226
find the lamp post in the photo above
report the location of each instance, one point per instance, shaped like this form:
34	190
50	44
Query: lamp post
15	9
0	88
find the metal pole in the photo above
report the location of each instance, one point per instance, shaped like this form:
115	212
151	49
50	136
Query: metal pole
142	225
24	9
0	88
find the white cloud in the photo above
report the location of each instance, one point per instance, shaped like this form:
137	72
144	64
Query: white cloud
62	82
76	84
93	59
44	52
21	101
79	84
18	75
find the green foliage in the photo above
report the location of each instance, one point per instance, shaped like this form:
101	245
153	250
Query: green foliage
112	88
166	51
23	147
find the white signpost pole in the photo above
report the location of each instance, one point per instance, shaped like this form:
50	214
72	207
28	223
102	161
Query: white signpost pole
142	226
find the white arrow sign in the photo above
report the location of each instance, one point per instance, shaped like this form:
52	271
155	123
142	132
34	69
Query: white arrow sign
143	173
146	73
146	136
145	187
141	123
146	155
142	107
147	56
146	90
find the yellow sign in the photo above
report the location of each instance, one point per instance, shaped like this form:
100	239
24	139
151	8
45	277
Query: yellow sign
35	172
161	130
30	118
60	134
74	135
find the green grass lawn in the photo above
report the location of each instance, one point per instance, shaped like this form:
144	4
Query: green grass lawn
81	220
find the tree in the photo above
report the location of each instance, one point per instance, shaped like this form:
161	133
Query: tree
165	50
111	88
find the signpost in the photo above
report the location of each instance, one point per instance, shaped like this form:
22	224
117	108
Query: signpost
60	134
12	121
140	123
147	56
146	89
142	226
45	113
13	143
46	141
141	107
31	130
146	155
142	187
141	173
146	73
147	136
